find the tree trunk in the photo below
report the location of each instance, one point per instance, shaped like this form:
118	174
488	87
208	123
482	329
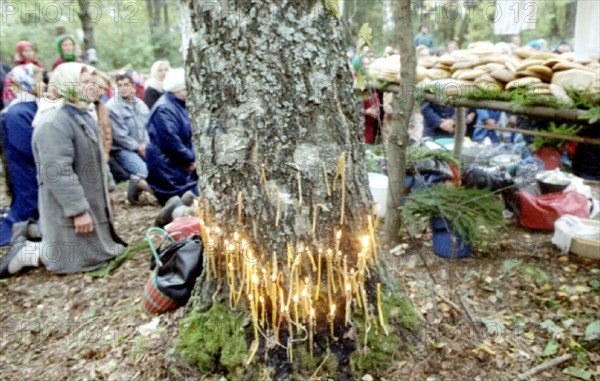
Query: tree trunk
149	8
88	27
166	13
570	15
402	107
285	197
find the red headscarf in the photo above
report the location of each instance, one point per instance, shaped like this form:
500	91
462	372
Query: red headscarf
21	60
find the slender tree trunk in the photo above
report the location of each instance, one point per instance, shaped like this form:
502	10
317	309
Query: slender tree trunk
166	13
285	195
149	8
87	25
403	107
570	15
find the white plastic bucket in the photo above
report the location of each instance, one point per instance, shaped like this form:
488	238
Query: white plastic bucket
379	186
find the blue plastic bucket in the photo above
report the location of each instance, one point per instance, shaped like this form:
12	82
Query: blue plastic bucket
445	241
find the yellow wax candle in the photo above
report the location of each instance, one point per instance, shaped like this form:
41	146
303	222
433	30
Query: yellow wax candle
278	211
262	316
311	323
254	316
326	180
265	184
240	205
232	284
291	339
348	300
210	253
343	174
274	300
372	235
312	260
340	271
379	309
304	298
265	280
318	288
295	299
331	319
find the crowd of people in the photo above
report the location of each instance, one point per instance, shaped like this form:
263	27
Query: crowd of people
68	136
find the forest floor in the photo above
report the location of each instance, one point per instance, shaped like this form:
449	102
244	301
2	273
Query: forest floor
528	304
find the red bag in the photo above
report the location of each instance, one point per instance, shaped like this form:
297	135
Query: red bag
540	212
183	227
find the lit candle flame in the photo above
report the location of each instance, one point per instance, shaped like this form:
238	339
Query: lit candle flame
365	241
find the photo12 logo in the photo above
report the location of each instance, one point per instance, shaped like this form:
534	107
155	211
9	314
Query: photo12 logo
49	12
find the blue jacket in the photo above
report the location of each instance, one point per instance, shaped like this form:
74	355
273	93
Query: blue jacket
479	134
16	125
170	150
432	117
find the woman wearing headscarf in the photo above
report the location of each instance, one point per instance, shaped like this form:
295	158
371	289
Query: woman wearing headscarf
65	45
74	184
170	154
154	84
26	55
17	130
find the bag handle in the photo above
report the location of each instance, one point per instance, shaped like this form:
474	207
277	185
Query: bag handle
151	244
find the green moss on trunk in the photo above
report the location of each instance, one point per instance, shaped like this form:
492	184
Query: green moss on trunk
383	351
214	339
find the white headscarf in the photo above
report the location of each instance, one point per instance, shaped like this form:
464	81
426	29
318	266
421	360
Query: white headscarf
23	84
154	80
65	82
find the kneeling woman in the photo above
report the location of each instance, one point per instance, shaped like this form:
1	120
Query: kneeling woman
170	155
74	184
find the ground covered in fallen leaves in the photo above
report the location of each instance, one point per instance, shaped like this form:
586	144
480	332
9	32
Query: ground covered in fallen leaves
489	317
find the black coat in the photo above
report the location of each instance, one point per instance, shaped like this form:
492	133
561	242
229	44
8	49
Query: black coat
151	95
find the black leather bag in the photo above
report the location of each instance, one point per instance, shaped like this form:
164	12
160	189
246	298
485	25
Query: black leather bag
175	270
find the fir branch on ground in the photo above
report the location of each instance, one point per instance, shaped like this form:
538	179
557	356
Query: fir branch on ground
476	214
118	261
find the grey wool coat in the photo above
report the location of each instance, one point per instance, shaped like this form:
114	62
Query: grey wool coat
73	178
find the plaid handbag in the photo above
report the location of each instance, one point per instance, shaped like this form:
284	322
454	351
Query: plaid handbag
174	272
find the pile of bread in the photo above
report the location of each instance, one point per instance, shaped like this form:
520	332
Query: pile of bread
494	67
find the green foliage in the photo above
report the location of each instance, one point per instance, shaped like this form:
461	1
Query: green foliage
334	7
416	153
475	214
107	270
122	34
365	35
562	129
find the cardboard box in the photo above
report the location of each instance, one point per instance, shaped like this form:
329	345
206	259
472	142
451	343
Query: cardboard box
585	247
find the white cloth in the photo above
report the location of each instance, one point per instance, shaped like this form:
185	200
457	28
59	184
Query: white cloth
568	227
511	17
587	38
174	80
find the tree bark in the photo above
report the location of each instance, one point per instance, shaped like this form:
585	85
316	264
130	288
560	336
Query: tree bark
403	106
570	15
283	177
87	25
